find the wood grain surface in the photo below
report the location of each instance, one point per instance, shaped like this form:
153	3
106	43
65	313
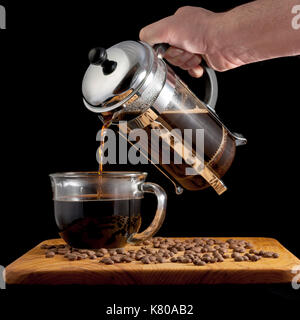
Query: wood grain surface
34	268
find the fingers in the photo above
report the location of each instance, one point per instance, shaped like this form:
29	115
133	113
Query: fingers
196	72
185	60
158	32
161	32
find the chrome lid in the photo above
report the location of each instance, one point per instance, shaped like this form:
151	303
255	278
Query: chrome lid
115	75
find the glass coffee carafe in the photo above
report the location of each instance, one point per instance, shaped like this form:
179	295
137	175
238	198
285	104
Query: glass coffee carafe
131	82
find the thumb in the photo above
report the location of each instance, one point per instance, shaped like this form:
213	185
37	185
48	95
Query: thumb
157	32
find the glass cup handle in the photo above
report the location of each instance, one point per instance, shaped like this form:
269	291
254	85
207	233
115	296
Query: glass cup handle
160	214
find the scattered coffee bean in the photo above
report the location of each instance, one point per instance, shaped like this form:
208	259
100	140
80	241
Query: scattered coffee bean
160	259
99	254
50	254
145	260
127	259
199	263
72	257
160	250
238	258
107	261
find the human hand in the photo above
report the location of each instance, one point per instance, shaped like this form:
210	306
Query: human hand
255	31
189	32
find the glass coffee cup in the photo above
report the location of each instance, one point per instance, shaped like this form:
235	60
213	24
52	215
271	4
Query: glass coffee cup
104	211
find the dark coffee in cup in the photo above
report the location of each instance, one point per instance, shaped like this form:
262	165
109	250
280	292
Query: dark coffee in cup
97	222
95	210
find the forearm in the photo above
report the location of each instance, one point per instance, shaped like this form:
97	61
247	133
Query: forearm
256	31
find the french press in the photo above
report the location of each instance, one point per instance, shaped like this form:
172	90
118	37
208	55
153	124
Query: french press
131	81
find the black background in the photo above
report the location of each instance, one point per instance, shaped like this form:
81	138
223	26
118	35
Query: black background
45	128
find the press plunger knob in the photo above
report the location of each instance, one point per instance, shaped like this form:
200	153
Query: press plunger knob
98	57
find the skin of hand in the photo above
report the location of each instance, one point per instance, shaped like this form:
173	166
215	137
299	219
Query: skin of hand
256	31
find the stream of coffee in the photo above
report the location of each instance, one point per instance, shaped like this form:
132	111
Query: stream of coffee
101	147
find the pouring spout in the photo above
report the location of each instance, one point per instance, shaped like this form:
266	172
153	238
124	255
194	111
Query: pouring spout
240	140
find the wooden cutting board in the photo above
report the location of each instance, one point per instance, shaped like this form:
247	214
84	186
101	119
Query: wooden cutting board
34	268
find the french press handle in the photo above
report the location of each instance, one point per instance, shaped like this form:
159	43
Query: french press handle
211	87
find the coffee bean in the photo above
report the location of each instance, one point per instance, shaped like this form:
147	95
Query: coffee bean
99	254
199	263
275	255
160	259
90	253
268	254
139	256
127	259
197	249
249	245
107	261
152	258
239	249
255	258
116	258
120	250
239	258
218	256
163	246
173	259
147	242
207	259
62	251
132	255
180	258
72	257
112	252
93	257
50	254
145	260
188	247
